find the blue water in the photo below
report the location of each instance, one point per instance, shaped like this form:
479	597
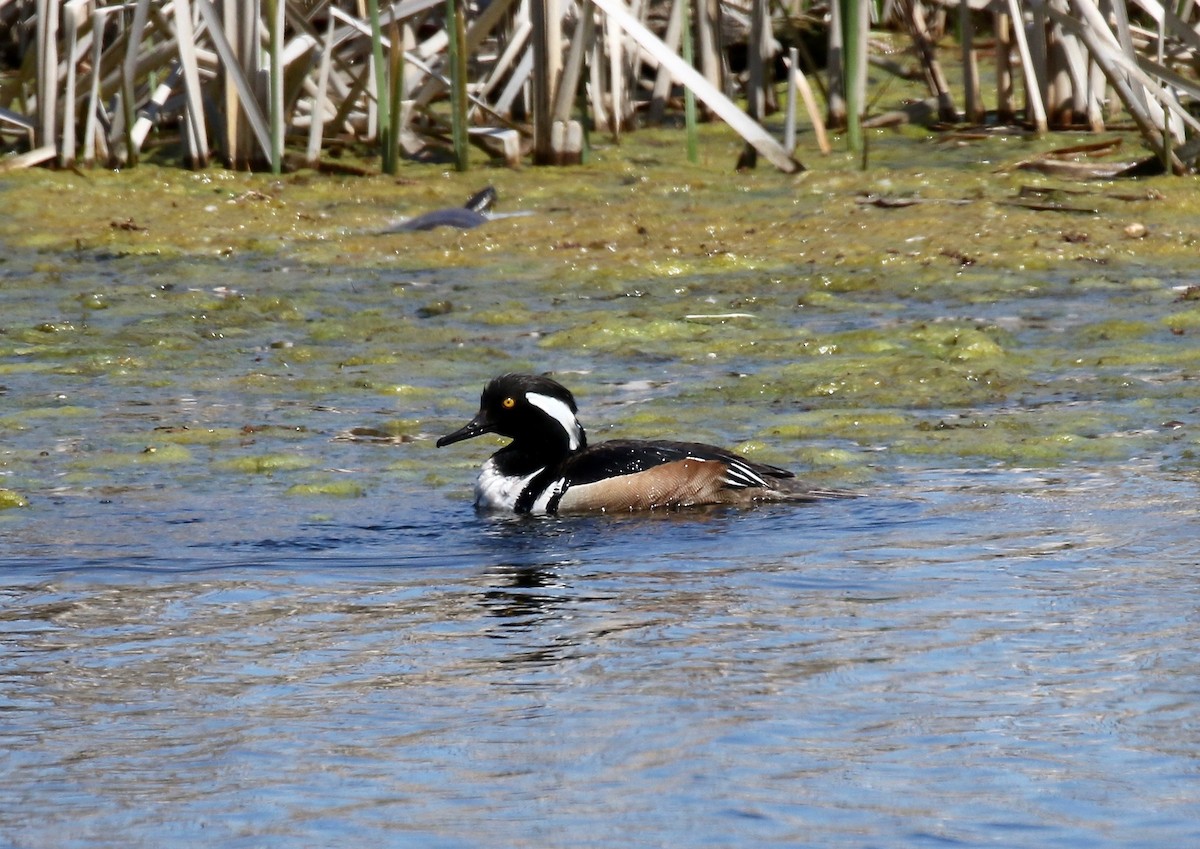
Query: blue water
975	654
998	658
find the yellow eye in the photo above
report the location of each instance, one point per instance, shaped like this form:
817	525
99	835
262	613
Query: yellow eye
508	403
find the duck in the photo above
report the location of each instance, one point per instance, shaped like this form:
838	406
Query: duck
549	468
476	211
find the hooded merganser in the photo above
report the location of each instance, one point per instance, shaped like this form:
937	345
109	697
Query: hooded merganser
549	467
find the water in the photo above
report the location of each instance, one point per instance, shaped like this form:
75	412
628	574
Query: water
976	659
206	639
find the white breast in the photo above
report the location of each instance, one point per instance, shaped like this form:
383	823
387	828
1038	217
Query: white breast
499	492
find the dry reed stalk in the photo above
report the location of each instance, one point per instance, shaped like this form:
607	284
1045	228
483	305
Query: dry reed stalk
248	14
419	60
596	83
1097	89
129	77
360	82
233	122
1151	106
21	123
934	77
663	80
835	70
486	21
27	160
1134	99
312	155
1166	75
1002	27
552	70
798	82
568	84
299	55
516	84
72	12
275	82
616	87
756	92
1175	25
1067	86
1033	97
544	25
513	47
971	87
47	74
150	112
728	111
635	57
91	126
789	121
357	90
196	134
706	29
247	102
158	58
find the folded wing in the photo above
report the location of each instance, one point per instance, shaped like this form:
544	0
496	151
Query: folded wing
635	475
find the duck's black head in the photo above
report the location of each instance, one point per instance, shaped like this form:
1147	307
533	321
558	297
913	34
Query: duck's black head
536	412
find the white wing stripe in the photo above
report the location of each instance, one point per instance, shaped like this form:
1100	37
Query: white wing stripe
741	475
738	475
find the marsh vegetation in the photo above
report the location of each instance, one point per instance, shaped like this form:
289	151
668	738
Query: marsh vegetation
272	84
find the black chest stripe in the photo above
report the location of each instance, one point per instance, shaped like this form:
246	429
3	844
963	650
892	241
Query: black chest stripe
552	504
533	489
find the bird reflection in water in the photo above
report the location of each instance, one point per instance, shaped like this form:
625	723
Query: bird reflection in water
533	607
525	593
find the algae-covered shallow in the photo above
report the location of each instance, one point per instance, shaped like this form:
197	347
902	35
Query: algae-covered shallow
263	317
243	582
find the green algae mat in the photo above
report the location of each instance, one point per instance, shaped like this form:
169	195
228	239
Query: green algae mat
169	331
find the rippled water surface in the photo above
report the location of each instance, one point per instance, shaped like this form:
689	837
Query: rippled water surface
982	659
246	603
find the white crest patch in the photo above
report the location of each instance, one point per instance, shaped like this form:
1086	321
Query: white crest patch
561	413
